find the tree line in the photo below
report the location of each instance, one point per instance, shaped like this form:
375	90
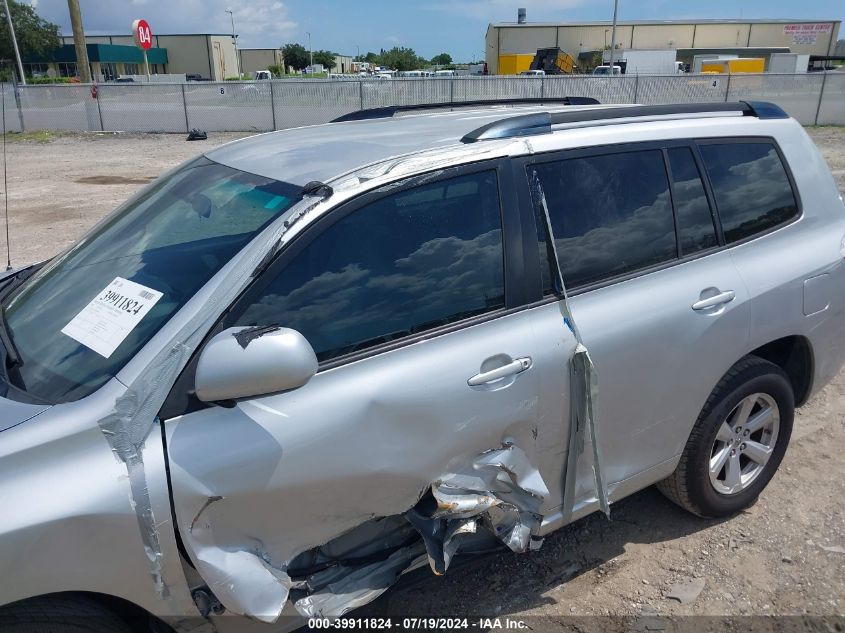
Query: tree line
397	58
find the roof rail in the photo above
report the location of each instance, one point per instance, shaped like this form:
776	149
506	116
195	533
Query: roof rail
389	111
542	122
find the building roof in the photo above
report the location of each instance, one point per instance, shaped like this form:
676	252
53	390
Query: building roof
665	22
323	152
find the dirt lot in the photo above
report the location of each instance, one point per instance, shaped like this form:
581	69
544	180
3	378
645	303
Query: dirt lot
786	555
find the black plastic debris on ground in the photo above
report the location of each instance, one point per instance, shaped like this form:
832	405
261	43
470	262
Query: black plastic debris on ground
196	135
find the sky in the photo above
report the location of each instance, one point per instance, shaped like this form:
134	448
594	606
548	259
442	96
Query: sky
456	27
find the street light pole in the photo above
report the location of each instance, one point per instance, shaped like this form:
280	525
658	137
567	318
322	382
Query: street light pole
14	42
613	35
235	42
310	52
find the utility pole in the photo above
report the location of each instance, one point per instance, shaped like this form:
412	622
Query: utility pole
14	42
82	65
235	42
310	52
613	35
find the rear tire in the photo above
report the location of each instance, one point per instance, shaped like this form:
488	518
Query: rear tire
737	442
61	614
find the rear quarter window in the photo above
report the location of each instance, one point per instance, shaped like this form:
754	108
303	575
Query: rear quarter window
750	184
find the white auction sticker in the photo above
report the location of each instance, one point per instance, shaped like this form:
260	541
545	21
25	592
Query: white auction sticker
104	323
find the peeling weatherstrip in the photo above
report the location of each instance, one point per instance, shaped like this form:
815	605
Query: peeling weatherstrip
583	381
134	415
414	164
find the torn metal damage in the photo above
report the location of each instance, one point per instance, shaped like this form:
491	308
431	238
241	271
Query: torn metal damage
494	497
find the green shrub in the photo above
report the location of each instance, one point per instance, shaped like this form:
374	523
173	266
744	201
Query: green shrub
49	80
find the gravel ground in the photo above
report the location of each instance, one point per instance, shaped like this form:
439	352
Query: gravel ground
784	556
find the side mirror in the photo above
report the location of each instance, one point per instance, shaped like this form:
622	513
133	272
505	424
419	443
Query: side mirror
242	362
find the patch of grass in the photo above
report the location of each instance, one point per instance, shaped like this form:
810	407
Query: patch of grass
35	136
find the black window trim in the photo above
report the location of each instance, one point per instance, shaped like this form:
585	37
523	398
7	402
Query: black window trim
523	163
513	268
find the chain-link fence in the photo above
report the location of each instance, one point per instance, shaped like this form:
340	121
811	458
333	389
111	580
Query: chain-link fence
815	98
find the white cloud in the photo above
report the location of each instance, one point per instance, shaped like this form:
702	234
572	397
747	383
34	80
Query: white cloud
259	23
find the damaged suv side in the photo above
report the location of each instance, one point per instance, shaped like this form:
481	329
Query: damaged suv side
272	385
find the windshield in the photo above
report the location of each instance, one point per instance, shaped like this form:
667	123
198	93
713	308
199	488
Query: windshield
84	315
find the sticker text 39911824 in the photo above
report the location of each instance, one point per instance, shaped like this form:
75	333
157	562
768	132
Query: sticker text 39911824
108	319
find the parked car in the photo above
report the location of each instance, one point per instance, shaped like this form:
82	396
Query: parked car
605	70
533	73
298	366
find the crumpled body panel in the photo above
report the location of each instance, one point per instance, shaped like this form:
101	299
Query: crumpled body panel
295	471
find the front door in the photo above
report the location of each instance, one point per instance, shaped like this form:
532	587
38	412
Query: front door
429	375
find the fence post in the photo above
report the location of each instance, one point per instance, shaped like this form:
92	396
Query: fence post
99	110
361	92
728	88
542	87
17	92
821	96
273	104
452	91
185	108
636	86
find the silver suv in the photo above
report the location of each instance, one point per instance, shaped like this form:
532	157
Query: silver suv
307	362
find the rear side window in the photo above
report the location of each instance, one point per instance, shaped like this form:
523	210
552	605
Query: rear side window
751	187
696	230
611	214
406	263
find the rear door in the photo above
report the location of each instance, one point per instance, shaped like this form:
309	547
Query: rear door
430	369
659	303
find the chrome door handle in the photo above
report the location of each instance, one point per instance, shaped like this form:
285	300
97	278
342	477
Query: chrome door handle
711	302
515	367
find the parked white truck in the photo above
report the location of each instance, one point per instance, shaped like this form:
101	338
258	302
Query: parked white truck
642	62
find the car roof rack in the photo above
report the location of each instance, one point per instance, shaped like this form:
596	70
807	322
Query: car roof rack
388	111
542	122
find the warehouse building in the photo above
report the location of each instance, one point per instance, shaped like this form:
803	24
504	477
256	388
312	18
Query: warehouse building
689	37
253	59
206	55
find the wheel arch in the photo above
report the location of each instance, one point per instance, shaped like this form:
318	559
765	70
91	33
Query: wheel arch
794	355
137	618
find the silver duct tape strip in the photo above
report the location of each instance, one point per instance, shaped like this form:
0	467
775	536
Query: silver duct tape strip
583	383
126	429
128	425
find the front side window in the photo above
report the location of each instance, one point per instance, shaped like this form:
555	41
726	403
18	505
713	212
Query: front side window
167	243
406	263
751	187
611	214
